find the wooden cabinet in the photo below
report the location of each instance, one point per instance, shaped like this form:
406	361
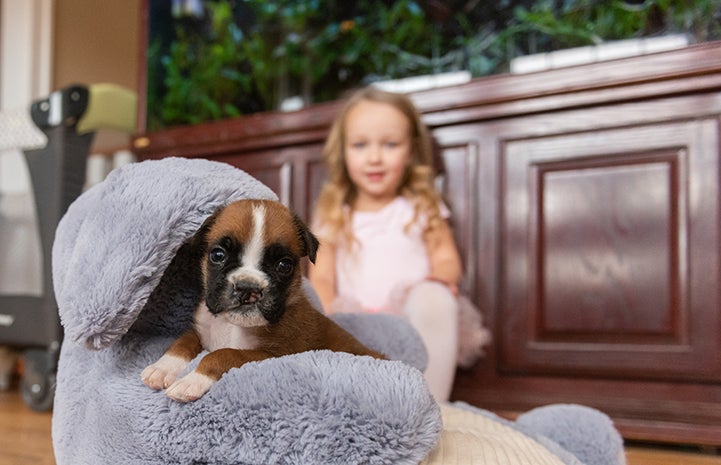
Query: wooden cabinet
599	262
586	207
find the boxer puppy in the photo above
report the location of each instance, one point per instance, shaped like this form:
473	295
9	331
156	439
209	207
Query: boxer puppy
252	305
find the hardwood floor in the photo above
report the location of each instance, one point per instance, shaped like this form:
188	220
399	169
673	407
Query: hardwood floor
25	440
24	434
638	455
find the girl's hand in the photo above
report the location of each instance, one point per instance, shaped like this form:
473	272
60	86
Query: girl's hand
453	287
444	258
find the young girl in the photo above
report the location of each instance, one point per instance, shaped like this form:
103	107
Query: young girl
386	245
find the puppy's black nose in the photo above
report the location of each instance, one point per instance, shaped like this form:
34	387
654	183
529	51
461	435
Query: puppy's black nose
247	294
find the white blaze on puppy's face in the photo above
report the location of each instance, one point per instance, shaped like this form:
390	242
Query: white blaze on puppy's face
252	255
250	272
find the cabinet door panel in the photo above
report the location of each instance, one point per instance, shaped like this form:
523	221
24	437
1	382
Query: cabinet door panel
272	169
596	263
294	174
458	185
316	176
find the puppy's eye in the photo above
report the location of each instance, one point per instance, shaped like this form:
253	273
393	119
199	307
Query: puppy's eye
217	255
284	266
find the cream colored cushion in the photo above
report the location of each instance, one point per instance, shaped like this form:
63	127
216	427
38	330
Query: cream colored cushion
469	438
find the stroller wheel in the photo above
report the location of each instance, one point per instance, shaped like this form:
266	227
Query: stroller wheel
39	380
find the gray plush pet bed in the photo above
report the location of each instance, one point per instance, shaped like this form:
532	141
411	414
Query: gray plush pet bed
126	287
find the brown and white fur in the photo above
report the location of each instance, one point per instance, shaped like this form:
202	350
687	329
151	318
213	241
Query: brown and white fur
252	305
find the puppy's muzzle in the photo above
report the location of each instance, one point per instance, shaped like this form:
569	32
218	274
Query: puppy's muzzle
247	293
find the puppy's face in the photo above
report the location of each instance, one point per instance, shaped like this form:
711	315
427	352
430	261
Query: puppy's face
251	262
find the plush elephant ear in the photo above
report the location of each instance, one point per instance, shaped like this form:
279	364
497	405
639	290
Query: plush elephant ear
585	432
117	239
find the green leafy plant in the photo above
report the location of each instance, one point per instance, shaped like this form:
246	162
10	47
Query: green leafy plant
244	56
549	25
205	75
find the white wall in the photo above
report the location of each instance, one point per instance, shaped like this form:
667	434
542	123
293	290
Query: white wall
25	75
25	71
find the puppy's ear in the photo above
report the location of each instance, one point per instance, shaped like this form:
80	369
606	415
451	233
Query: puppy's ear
307	239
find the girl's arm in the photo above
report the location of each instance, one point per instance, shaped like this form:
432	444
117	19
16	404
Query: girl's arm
322	274
444	257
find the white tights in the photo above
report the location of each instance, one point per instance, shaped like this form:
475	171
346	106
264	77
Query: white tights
433	311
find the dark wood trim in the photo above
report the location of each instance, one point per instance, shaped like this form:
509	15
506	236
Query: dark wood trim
142	118
691	61
254	132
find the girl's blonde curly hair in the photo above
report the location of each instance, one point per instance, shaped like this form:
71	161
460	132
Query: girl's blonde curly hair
333	212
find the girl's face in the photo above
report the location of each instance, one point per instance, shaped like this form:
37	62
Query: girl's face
377	151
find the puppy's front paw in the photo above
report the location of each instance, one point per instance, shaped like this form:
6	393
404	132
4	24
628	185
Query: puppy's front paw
190	387
163	373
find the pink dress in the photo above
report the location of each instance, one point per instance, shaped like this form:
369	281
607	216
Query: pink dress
388	258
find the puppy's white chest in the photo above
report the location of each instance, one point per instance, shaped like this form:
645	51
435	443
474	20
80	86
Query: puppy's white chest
217	333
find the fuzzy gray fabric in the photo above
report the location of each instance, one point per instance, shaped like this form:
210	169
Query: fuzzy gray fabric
584	432
125	289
